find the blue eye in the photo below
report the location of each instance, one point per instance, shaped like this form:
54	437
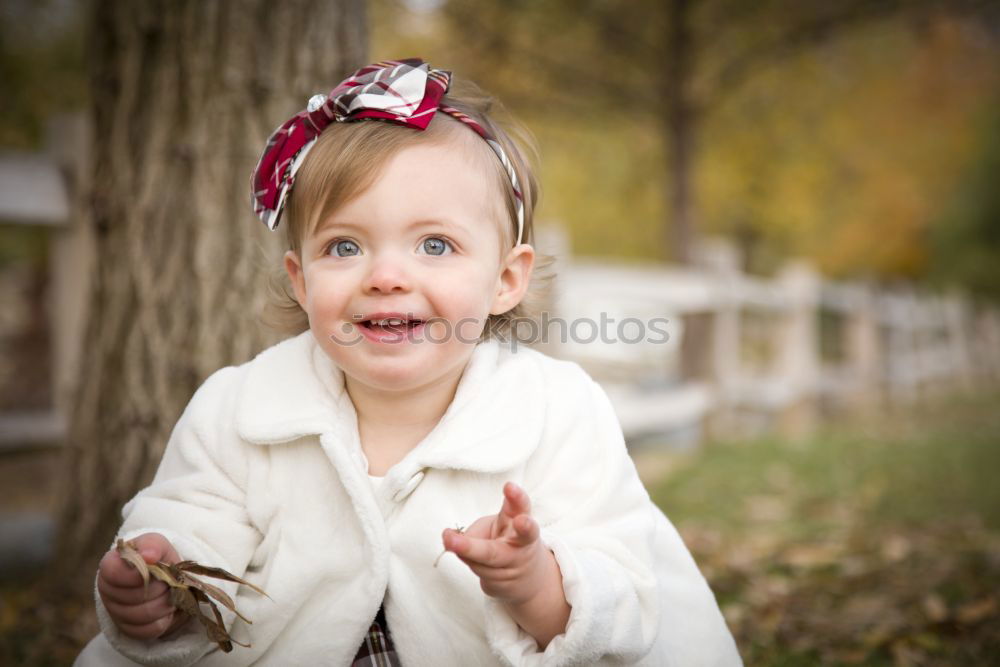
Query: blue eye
435	246
344	248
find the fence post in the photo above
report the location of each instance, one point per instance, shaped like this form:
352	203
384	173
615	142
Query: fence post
988	344
68	142
710	346
957	323
863	351
922	338
798	359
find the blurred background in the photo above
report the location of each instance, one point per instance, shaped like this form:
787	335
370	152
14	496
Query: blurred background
807	192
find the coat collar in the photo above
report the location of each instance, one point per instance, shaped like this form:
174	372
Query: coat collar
495	421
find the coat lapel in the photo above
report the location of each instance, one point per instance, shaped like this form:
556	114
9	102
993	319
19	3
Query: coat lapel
292	390
495	421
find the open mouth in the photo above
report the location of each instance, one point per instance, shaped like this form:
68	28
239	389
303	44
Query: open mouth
390	329
391	324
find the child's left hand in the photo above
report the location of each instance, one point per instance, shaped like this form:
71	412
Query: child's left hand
504	550
514	566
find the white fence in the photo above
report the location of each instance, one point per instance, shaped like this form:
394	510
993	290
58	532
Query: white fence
746	354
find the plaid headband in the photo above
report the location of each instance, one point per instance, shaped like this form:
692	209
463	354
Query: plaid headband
406	92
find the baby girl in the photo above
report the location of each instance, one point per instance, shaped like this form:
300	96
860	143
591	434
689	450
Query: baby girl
335	469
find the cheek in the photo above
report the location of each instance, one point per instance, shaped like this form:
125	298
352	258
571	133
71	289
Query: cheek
469	307
325	294
468	293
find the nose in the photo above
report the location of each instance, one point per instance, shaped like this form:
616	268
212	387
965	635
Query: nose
386	275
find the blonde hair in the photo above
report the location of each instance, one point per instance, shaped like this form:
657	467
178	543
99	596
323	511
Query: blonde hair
347	158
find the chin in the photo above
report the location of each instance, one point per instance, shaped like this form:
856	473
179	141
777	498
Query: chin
400	374
390	374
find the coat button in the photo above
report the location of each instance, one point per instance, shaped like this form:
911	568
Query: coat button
404	492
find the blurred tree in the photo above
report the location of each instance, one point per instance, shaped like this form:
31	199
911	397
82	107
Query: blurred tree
965	242
667	63
183	96
847	153
41	67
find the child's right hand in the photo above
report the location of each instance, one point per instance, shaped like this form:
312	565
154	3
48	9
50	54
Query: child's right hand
139	612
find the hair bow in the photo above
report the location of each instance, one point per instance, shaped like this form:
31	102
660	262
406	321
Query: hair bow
407	92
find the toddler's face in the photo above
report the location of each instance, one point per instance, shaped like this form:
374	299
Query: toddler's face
421	244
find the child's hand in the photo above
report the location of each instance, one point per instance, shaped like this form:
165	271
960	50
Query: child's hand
139	612
503	549
514	566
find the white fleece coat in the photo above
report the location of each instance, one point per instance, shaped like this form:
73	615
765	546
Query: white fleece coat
264	476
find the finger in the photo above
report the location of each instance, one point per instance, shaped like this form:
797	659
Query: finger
179	620
147	630
131	594
488	573
141	614
154	547
117	572
481	527
515	501
493	553
526	531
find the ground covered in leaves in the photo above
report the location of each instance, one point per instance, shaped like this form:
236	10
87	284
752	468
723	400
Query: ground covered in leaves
873	543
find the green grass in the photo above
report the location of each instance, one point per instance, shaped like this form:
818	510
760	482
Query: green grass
870	542
904	467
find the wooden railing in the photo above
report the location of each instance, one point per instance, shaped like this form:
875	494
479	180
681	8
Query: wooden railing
747	354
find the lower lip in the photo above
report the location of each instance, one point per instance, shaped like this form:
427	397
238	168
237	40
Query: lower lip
390	337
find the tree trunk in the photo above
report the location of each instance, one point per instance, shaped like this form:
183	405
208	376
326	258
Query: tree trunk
679	134
184	95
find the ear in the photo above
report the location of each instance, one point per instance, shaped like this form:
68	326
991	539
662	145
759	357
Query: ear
515	275
293	267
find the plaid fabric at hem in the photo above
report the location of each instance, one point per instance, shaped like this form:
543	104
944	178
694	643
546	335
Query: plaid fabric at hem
377	649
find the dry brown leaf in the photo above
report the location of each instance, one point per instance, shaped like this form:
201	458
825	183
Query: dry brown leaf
811	555
188	593
853	656
216	626
216	573
935	607
164	573
184	600
131	555
766	508
973	612
215	592
895	548
215	629
906	655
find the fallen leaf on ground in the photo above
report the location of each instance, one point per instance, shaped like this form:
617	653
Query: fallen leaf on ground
766	508
935	607
973	612
811	555
895	548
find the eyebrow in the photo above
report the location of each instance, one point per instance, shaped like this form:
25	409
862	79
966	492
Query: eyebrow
418	224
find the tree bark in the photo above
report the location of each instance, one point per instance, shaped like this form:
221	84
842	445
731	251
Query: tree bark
184	95
679	131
